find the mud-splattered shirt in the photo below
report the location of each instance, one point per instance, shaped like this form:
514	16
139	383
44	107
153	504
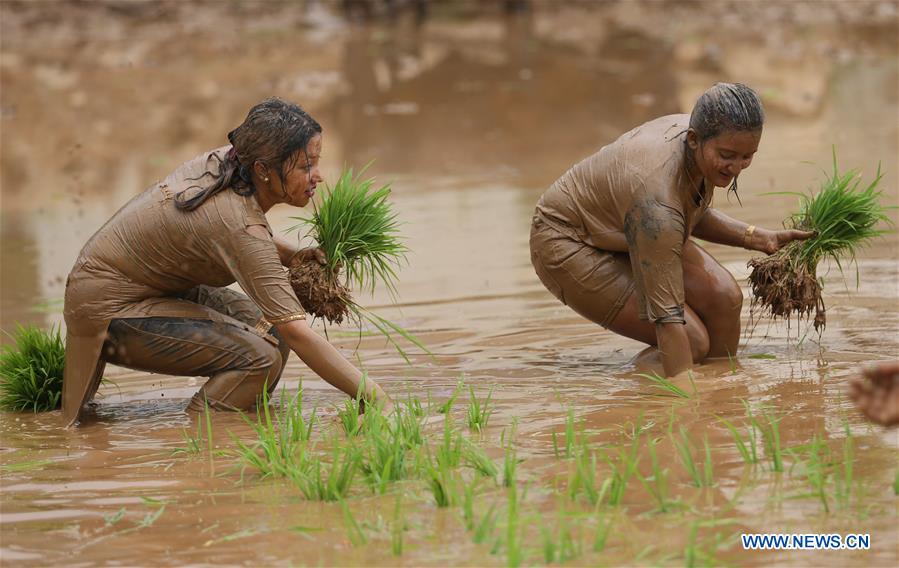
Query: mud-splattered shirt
634	196
149	251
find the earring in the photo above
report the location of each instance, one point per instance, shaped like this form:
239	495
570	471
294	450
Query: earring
265	179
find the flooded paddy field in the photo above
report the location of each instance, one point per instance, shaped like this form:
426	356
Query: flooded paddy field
470	114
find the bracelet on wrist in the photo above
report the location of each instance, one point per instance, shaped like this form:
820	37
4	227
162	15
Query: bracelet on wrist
747	236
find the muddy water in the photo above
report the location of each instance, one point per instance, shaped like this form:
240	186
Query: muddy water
471	116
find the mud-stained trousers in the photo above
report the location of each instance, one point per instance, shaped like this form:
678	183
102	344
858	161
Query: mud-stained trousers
240	355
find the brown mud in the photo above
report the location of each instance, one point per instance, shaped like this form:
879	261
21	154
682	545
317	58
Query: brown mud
471	114
319	291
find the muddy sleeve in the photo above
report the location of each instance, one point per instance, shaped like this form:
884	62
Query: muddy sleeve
655	237
255	264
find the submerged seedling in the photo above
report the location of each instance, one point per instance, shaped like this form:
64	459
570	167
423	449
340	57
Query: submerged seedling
479	413
666	385
685	451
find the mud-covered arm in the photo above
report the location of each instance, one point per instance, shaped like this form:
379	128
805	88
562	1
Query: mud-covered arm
655	236
716	227
328	363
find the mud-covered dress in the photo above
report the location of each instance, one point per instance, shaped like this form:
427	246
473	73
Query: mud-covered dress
617	222
148	292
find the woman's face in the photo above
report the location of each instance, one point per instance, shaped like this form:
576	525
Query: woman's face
300	181
722	158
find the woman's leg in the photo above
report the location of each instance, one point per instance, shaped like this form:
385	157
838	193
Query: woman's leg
713	299
714	295
238	306
238	361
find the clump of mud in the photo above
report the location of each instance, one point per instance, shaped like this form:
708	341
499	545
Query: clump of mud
781	288
320	291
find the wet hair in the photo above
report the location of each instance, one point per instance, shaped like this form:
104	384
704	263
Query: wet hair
727	107
274	133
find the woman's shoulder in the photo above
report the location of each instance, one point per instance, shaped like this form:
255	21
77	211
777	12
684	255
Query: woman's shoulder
657	132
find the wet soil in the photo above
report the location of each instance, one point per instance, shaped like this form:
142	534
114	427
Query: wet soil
470	115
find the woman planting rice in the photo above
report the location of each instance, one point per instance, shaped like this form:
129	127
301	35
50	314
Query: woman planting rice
611	237
148	289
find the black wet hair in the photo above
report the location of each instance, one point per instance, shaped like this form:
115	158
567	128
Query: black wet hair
725	107
274	133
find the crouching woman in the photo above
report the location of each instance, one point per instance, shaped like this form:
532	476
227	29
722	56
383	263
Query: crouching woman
611	238
148	290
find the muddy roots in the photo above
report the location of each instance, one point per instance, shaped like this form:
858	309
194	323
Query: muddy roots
320	292
781	289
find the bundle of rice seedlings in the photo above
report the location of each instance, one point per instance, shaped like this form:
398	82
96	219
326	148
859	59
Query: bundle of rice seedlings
844	215
31	370
356	227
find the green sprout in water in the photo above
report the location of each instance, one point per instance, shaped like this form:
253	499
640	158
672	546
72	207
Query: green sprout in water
31	370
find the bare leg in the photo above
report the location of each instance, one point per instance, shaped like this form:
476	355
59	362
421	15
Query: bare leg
715	297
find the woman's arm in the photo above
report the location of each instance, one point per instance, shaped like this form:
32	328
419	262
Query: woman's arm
716	227
674	347
328	363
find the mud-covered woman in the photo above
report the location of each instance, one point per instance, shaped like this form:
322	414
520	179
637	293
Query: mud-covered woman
149	289
612	239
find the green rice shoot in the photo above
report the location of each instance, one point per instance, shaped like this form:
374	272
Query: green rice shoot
845	215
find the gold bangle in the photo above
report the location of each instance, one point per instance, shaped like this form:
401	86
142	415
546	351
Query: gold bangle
748	235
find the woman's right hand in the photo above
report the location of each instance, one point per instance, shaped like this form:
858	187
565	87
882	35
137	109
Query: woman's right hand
307	253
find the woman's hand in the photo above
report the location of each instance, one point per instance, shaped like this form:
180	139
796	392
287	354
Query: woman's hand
769	242
876	392
305	254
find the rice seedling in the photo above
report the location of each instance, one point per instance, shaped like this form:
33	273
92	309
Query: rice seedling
814	467
448	405
486	526
896	483
449	451
685	452
570	436
582	479
747	447
510	457
762	356
844	215
601	534
475	458
114	518
354	531
350	415
622	471
281	436
397	528
844	477
29	465
443	485
657	484
561	543
770	433
478	413
383	452
468	493
327	483
31	370
665	385
356	228
514	554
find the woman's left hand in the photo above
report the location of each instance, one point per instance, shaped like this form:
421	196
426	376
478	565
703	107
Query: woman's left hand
772	241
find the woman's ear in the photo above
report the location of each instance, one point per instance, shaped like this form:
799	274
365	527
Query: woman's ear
692	139
261	170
